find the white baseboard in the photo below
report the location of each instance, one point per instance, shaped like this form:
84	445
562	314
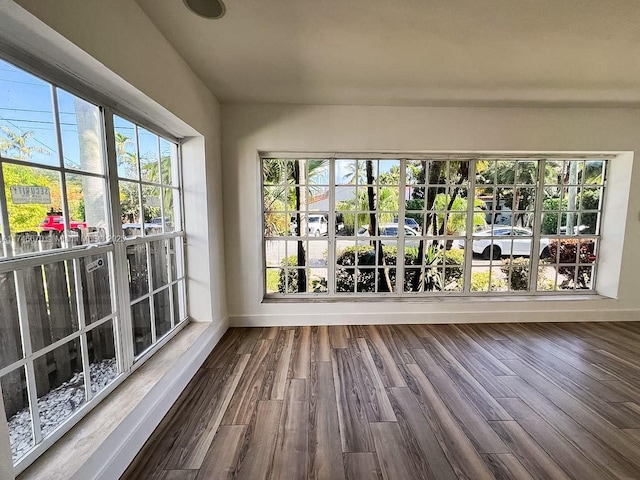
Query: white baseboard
119	449
276	320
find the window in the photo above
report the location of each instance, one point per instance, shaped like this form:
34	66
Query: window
91	266
476	225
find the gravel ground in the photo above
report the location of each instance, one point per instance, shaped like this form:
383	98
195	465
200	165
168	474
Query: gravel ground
57	405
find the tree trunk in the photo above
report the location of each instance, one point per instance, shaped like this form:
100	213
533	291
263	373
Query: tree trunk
384	281
430	198
301	221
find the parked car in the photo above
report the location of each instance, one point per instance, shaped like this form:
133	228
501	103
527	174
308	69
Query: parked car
317	224
497	241
390	230
409	222
55	221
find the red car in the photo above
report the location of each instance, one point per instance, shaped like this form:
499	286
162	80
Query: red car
56	222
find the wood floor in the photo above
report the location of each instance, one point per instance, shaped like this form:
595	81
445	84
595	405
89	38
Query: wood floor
543	401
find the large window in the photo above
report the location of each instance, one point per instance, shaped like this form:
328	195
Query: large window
91	264
433	225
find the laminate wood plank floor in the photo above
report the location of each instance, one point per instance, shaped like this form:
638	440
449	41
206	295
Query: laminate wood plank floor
402	402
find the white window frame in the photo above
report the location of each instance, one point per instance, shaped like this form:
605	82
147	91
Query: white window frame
114	248
404	157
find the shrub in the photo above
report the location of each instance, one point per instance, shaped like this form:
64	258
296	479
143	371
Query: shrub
273	279
480	282
318	284
519	279
292	286
567	251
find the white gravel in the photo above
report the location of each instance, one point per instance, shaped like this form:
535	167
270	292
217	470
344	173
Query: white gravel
57	405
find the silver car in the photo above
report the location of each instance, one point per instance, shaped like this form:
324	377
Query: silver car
390	230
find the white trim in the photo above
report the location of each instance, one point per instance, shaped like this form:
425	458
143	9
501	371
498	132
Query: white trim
118	450
400	317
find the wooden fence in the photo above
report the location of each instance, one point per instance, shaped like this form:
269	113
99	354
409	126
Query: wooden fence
52	311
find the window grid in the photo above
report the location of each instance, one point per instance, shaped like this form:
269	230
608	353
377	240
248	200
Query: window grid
513	194
98	315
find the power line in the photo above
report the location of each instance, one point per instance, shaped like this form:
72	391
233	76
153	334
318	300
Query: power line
30	110
24	83
46	122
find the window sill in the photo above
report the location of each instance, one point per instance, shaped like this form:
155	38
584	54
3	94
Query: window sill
100	442
480	298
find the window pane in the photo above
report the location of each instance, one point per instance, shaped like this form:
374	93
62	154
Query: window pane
171	205
169	162
138	270
162	312
159	267
177	291
33	200
60	385
102	356
141	318
16	406
126	148
27	129
86	202
152	210
50	302
96	287
130	205
81	132
10	343
149	155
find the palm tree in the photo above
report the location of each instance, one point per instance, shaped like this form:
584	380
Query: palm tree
355	172
384	280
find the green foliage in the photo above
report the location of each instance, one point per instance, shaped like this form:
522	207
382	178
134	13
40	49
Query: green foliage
24	217
589	199
387	200
273	278
519	278
457	218
480	282
569	251
288	278
434	278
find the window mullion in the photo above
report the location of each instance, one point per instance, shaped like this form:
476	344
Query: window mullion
84	349
62	176
151	295
537	229
402	209
468	241
4	212
120	276
25	331
331	231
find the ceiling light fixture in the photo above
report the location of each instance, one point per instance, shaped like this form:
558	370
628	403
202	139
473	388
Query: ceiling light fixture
206	8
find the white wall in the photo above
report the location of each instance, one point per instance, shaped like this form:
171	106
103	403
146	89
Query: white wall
248	129
152	79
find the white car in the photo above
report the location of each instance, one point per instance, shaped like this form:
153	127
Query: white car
498	241
317	224
391	230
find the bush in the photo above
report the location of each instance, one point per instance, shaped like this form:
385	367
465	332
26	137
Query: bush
480	282
346	272
292	286
566	251
519	279
318	284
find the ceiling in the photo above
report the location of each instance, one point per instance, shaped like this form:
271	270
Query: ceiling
412	52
